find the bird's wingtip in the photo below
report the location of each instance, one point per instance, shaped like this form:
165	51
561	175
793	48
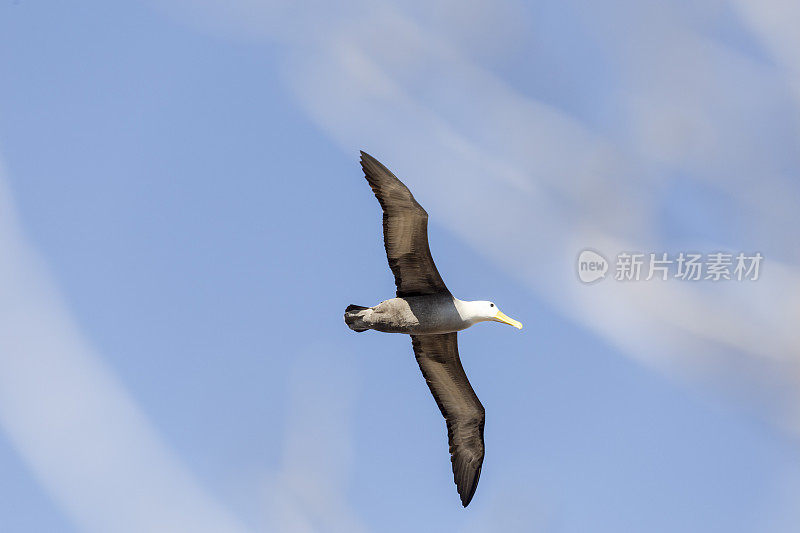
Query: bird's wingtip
365	157
370	164
466	498
466	486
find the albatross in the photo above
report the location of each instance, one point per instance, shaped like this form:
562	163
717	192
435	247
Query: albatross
425	309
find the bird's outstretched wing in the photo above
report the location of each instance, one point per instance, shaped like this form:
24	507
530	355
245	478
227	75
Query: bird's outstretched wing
437	356
405	233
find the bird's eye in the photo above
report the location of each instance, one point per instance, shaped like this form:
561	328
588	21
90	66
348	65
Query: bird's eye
491	305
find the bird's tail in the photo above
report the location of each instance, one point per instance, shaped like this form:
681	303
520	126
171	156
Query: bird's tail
354	317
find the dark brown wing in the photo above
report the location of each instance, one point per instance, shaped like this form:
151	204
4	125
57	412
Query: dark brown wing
437	356
405	232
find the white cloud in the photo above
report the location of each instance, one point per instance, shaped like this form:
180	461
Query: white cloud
71	420
308	492
688	105
776	22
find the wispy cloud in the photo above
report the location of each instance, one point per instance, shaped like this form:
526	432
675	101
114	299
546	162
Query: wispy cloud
688	104
73	422
775	22
308	492
375	75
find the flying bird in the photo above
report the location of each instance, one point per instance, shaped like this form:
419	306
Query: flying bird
425	309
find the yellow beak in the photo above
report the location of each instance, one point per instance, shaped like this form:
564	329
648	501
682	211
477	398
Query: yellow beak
501	317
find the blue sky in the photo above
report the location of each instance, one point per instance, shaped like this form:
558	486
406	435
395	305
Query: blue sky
183	220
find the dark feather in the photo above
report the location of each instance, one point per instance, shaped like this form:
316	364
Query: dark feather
438	359
405	233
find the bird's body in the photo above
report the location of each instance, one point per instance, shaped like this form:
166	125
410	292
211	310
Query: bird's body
415	315
425	309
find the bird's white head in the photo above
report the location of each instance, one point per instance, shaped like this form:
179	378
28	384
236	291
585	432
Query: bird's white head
483	310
